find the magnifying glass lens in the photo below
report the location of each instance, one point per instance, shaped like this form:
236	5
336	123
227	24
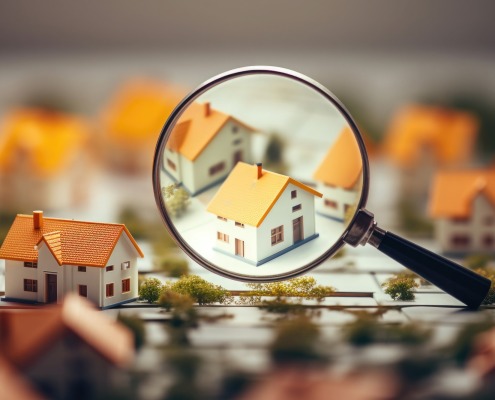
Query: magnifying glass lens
260	176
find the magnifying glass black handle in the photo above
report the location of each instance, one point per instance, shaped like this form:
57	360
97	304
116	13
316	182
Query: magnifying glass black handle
460	282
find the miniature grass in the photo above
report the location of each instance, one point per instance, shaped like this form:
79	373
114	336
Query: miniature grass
400	287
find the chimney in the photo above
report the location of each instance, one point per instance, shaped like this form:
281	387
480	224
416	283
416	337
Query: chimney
207	109
259	170
38	219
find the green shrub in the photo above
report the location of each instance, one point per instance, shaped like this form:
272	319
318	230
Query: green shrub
400	287
203	292
136	326
150	290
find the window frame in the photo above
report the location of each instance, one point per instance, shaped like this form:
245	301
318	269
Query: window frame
277	235
82	290
109	290
30	285
126	283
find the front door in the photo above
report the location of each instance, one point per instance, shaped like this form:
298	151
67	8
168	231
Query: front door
239	248
297	229
237	157
51	288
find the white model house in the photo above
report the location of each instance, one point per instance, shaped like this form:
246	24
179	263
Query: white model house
261	214
463	206
204	147
67	351
339	177
46	258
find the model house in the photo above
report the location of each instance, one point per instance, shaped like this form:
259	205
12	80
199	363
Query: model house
46	258
421	139
339	177
204	147
463	206
261	215
132	121
68	351
43	160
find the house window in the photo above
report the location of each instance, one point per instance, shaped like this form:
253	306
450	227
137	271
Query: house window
215	169
30	285
83	290
235	129
460	239
221	218
239	224
330	203
277	235
126	265
81	269
109	268
223	237
296	208
126	285
488	241
29	264
109	289
293	194
171	164
237	142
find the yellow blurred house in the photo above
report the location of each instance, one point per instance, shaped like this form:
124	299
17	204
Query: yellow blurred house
43	158
421	139
132	122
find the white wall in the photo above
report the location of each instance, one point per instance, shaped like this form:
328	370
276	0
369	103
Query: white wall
342	196
15	273
247	234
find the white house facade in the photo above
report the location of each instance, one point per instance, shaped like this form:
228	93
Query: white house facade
51	272
336	201
200	153
285	215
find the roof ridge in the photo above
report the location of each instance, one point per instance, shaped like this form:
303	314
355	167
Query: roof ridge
72	220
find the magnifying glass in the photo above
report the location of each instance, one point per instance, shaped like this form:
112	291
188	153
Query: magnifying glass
261	174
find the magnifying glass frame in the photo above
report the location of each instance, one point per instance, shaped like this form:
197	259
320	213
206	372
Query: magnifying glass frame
225	77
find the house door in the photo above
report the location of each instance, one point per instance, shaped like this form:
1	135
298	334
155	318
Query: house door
237	156
51	288
297	229
239	248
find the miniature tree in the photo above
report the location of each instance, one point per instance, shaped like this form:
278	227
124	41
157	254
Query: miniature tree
136	326
202	291
176	199
400	287
150	290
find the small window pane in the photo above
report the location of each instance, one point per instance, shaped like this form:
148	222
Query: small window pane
296	208
81	269
109	268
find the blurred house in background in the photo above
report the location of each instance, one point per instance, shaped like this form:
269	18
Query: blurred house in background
422	138
43	160
463	206
132	121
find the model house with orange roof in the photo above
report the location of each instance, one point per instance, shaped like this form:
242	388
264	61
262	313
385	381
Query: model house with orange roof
261	215
43	159
67	351
205	146
421	139
463	206
47	258
132	121
339	177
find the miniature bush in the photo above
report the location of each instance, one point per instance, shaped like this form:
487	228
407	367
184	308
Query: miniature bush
489	274
477	261
136	326
301	287
203	292
176	199
400	287
181	306
150	290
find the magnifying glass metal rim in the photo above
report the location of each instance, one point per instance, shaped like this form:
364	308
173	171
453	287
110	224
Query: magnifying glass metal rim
215	81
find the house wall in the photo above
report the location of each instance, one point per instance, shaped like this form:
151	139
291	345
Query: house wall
477	228
176	159
221	149
281	214
15	273
340	195
247	234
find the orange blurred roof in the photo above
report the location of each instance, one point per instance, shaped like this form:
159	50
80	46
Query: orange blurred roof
138	111
342	165
45	142
71	242
248	200
29	333
454	191
196	129
449	134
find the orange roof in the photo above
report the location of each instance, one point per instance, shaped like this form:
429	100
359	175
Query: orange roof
248	200
28	333
43	142
449	134
196	129
454	191
342	165
138	111
71	242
